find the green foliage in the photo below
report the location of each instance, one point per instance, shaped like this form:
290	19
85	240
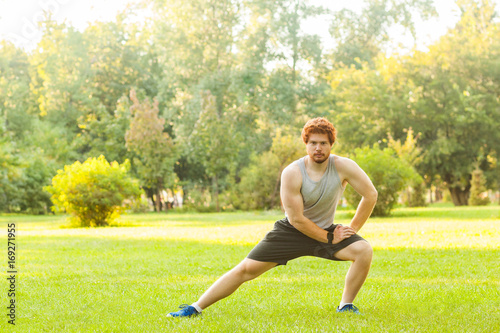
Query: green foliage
103	133
155	150
16	105
362	35
35	176
22	181
452	101
477	189
447	95
59	73
363	106
225	85
214	141
222	101
388	173
260	181
140	205
93	192
10	174
416	195
200	200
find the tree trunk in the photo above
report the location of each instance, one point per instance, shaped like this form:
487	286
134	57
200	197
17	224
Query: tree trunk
459	195
175	203
158	200
184	195
216	191
150	194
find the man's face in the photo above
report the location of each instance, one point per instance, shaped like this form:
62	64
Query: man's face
318	147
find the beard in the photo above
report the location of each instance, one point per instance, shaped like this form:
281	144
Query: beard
319	158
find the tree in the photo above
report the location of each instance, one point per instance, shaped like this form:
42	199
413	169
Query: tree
103	133
226	53
199	99
454	99
10	174
448	95
364	109
60	69
120	60
214	142
153	147
17	105
291	89
16	121
93	192
362	36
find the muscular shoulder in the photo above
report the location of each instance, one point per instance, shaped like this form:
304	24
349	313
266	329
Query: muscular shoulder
345	167
291	176
342	163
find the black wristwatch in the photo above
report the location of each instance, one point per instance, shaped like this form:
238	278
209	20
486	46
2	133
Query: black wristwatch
330	237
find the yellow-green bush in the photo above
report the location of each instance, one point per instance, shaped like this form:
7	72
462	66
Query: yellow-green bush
93	192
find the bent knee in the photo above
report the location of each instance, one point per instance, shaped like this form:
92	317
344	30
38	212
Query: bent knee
364	251
361	250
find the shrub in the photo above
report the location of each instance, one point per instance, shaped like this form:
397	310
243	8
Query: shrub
388	173
259	187
416	197
258	181
140	205
199	199
93	192
34	199
477	189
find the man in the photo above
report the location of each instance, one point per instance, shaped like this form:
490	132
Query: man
310	190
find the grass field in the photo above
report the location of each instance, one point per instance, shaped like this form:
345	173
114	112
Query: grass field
434	270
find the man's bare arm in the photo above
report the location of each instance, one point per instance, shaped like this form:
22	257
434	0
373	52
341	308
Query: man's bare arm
358	179
291	182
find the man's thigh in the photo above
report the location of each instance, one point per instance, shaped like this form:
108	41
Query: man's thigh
252	268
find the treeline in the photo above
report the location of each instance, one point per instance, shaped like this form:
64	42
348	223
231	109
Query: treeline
208	98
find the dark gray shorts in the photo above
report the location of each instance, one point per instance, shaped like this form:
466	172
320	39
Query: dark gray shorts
285	243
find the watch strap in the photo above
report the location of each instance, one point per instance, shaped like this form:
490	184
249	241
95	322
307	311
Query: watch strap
330	237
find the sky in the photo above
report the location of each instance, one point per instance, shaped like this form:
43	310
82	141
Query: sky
18	18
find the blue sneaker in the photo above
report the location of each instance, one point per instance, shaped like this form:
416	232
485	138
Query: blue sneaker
186	311
349	308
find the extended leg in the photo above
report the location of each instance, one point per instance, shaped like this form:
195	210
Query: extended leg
360	253
246	270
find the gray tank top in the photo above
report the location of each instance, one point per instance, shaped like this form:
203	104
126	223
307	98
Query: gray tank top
321	198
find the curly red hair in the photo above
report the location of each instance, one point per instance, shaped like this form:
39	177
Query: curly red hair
319	126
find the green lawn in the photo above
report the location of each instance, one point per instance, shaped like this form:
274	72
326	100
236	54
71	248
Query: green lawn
434	270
